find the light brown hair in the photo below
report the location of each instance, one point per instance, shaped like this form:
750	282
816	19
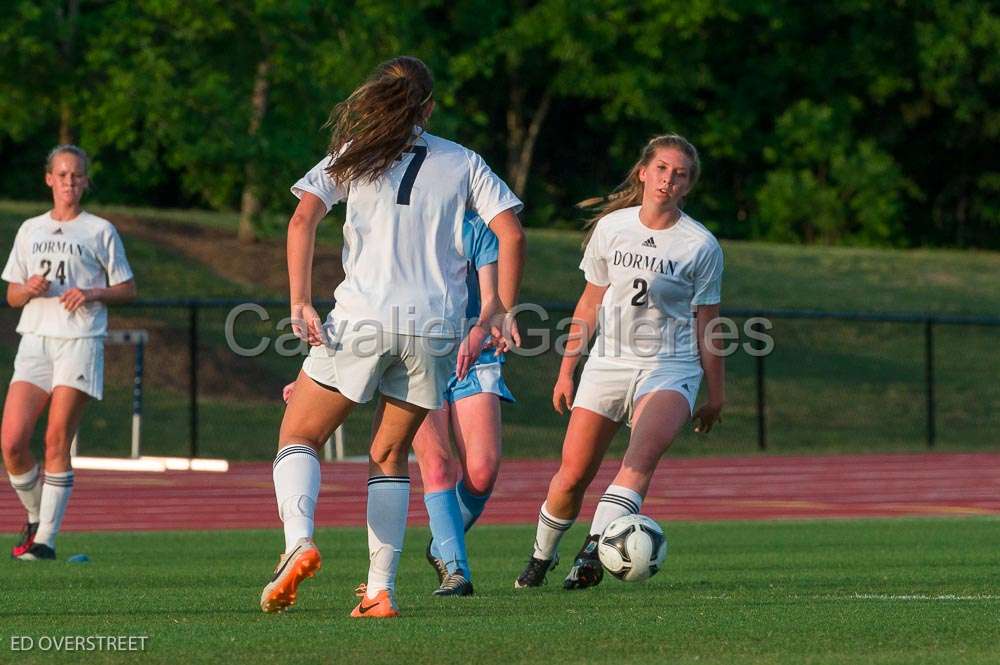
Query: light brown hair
629	192
76	151
373	126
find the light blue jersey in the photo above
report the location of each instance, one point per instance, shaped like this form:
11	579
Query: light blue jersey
481	249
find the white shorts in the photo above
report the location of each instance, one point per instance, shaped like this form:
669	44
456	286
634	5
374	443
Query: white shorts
404	367
612	389
52	361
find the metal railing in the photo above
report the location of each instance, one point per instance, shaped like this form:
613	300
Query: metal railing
929	323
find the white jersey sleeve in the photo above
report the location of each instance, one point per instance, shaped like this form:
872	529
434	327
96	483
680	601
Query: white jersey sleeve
111	254
16	271
488	194
595	259
708	275
319	183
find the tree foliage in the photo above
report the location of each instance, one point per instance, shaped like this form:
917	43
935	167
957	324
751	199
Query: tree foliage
854	122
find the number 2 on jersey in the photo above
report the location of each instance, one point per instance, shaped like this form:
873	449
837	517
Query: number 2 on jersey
406	184
60	271
641	298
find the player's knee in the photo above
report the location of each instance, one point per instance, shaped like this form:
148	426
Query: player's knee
57	441
56	458
481	475
388	454
16	451
570	482
437	471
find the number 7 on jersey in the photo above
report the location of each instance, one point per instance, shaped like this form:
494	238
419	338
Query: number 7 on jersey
406	184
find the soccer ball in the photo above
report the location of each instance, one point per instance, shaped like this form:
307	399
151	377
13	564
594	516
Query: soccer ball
632	548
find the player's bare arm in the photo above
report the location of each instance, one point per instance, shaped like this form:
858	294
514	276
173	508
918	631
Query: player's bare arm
18	295
581	330
300	244
513	244
709	351
75	298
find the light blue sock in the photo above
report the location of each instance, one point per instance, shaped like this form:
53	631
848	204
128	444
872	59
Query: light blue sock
472	505
446	529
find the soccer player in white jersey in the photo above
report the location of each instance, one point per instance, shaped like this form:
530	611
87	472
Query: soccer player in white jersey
471	412
397	321
653	290
65	266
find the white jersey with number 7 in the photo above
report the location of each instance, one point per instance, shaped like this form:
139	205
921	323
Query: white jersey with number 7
403	258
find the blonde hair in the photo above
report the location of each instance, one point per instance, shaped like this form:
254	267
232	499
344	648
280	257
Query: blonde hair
629	192
373	126
74	150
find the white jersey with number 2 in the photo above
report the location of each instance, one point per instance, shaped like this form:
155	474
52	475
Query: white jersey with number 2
403	257
85	252
656	280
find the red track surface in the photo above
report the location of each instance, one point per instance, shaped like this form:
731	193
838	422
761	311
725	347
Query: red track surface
684	489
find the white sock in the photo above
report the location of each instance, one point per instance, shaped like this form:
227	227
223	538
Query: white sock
296	488
388	505
550	530
55	495
29	491
617	502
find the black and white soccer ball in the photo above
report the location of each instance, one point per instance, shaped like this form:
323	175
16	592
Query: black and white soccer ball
632	548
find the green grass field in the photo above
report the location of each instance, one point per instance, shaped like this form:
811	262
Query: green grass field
831	386
872	591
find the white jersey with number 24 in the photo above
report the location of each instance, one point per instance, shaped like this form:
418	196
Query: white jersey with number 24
85	252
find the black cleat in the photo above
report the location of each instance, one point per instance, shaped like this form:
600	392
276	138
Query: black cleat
455	584
534	572
38	552
27	540
438	565
587	570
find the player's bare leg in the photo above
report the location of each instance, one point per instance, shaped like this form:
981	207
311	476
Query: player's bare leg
66	408
658	418
388	504
587	439
476	423
312	414
432	446
23	405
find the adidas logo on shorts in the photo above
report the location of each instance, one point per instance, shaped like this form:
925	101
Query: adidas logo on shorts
649	242
81	378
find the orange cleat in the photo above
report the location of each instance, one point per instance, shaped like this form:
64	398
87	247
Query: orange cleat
382	606
299	564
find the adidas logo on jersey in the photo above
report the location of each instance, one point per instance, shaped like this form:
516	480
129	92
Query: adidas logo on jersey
649	242
57	232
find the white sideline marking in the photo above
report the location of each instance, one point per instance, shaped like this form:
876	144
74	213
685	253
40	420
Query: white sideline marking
150	463
882	596
118	464
190	464
871	596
